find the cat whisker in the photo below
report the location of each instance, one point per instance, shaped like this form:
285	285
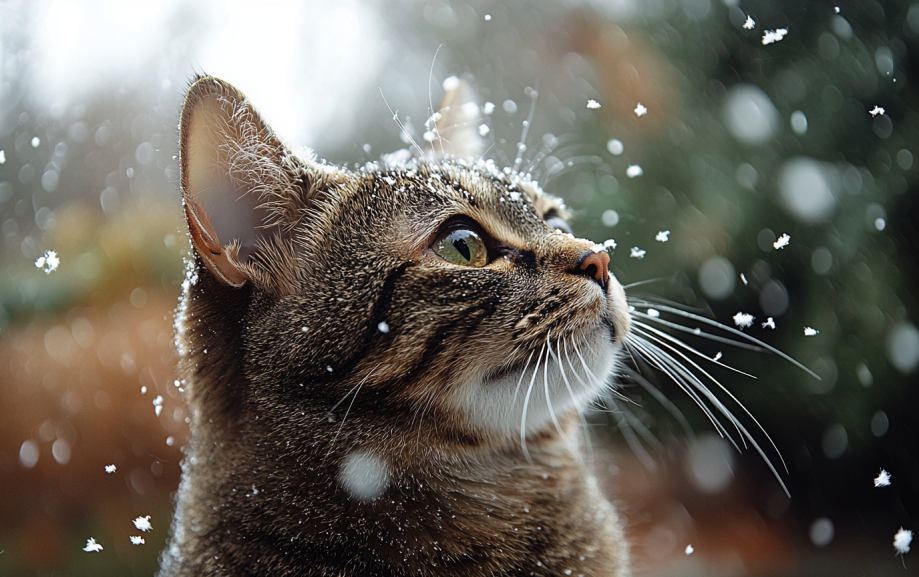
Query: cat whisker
545	382
648	328
353	398
522	145
561	367
395	116
723	327
662	399
660	359
679	375
720	386
628	424
526	403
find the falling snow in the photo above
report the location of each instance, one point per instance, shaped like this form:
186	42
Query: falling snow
743	320
769	324
876	110
770	36
749	24
782	241
484	130
136	540
654	313
48	263
662	236
640	110
143	523
593	103
901	541
488	108
2	157
93	547
744	279
883	479
809	332
689	549
383	327
110	468
158	405
609	243
637	253
717	356
633	170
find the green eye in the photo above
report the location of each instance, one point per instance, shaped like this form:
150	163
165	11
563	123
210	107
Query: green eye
462	246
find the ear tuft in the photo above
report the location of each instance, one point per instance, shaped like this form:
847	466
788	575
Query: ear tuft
456	130
237	178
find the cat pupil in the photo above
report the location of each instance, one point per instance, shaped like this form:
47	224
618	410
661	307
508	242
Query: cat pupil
461	246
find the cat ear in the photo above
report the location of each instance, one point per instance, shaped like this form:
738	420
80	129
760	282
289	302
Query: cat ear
232	167
455	130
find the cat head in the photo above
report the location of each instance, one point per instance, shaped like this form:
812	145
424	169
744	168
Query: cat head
441	299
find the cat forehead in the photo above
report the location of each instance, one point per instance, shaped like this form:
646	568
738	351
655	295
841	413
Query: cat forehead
509	205
481	188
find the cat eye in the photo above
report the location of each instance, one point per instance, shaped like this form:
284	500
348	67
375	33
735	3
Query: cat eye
461	245
554	221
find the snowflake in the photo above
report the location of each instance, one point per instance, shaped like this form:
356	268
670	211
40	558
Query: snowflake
136	540
110	468
2	157
689	549
743	320
158	405
883	479
769	324
782	241
637	253
654	313
609	243
48	263
593	103
143	523
93	547
633	170
901	541
640	110
663	236
809	332
749	24
770	36
876	110
744	279
483	129
383	327
717	357
488	108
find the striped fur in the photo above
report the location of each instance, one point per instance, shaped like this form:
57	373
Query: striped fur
330	336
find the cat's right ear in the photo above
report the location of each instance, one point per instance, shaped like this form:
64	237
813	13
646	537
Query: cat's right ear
230	161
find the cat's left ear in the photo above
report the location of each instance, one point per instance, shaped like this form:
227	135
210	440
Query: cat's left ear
456	129
238	179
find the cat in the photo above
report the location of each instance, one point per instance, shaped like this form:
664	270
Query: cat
385	367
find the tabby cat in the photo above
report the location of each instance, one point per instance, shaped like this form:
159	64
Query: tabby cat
385	368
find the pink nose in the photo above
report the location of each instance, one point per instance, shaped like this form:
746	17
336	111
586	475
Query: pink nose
594	265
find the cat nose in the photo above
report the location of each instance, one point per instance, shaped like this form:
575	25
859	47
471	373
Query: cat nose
594	265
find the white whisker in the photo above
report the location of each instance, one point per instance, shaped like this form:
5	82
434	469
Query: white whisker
726	328
545	383
727	392
526	403
356	392
679	343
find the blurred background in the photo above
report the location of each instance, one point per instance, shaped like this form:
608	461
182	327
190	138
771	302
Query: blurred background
743	141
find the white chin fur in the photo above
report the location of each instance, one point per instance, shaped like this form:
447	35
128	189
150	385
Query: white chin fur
497	405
